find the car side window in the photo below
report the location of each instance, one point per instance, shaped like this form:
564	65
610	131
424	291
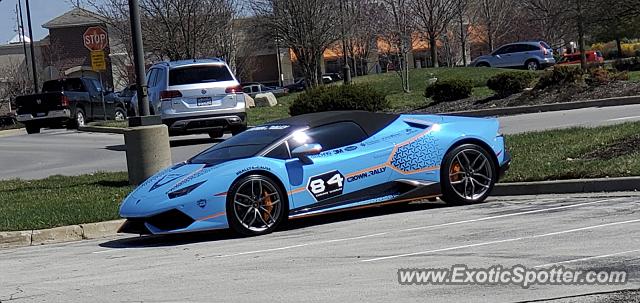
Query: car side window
246	89
502	50
279	152
151	82
330	136
255	89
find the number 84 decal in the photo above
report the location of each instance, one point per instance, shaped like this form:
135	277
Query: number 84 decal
326	185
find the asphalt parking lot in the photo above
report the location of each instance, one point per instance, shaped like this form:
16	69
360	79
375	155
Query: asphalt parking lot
352	256
57	151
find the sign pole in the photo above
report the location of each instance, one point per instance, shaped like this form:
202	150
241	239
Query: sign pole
104	107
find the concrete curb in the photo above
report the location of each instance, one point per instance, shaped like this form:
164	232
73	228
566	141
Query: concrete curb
108	228
10	239
11	132
101	129
567	186
528	109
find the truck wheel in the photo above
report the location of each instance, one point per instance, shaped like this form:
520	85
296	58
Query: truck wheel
80	118
120	114
32	128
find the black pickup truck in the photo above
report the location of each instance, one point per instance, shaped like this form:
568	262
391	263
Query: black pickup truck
68	102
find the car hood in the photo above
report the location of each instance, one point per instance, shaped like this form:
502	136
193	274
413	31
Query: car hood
177	177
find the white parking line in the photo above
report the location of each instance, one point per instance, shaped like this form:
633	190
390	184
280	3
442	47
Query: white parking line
415	228
589	258
501	241
624	118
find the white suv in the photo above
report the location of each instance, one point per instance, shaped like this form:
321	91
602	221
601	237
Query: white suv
196	96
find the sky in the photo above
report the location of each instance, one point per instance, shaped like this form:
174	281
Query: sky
41	12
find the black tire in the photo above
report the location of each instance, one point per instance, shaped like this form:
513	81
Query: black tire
532	65
215	134
483	64
455	169
119	114
239	209
32	128
237	130
79	119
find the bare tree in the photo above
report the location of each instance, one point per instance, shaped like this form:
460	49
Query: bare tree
495	17
13	82
550	18
360	22
307	27
464	16
397	32
173	29
433	18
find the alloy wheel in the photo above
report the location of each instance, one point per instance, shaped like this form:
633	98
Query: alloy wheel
470	174
257	205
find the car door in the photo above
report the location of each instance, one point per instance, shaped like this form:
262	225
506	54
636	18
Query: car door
501	57
109	103
82	86
342	172
153	92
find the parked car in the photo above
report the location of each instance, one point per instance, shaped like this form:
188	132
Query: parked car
196	96
71	102
125	97
252	89
297	86
593	57
531	55
335	77
320	163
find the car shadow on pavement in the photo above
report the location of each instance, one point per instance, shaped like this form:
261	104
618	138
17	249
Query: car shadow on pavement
292	224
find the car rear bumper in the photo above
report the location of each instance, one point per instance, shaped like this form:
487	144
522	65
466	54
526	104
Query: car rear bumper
55	114
206	123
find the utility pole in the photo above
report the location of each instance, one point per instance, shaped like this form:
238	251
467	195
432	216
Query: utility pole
33	56
346	70
21	32
138	58
146	139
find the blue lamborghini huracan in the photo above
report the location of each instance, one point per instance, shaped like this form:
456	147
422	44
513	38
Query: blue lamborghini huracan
320	163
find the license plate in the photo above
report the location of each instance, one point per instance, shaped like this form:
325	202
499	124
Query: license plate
204	101
40	114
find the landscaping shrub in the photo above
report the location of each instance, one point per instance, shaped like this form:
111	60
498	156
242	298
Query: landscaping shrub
509	83
628	64
449	90
561	75
342	97
601	76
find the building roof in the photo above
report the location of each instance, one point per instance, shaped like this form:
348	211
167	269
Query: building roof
74	17
19	38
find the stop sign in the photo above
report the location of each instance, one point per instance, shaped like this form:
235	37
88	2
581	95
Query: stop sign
95	38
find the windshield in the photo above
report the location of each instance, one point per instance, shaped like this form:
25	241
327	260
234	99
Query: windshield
244	145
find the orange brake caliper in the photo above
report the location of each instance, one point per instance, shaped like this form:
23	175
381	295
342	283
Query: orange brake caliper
268	206
455	169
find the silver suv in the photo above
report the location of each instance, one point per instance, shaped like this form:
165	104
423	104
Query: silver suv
197	96
532	55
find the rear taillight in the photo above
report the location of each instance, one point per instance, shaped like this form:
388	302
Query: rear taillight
170	94
64	100
544	49
237	89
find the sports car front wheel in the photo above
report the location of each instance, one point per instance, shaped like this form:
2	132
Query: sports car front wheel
467	175
255	205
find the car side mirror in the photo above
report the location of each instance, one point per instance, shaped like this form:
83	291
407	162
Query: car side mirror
304	151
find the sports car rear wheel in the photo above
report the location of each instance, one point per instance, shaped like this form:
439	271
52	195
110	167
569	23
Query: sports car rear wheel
468	175
255	205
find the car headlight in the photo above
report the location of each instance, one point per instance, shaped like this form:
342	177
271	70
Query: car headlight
183	191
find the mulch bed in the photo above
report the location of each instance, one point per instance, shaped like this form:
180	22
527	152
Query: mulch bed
537	97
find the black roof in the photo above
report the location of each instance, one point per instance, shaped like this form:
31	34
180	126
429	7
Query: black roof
370	122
